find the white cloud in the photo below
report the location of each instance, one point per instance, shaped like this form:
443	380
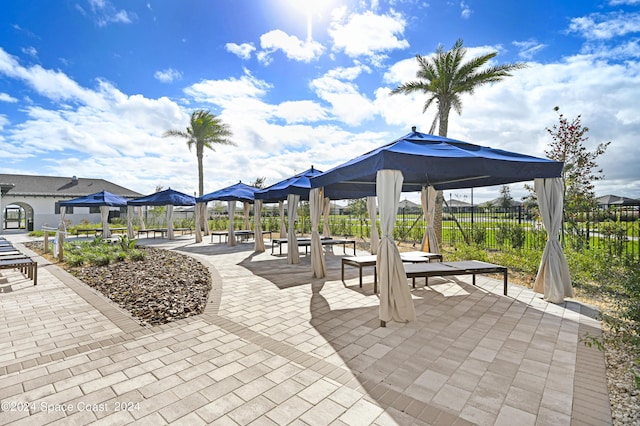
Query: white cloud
241	50
54	85
300	112
31	51
606	26
104	13
347	103
5	97
465	12
367	34
291	46
528	49
224	92
623	2
168	75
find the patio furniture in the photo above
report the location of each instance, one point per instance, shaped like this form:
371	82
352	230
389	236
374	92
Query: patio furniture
370	260
306	243
26	265
240	235
464	267
154	231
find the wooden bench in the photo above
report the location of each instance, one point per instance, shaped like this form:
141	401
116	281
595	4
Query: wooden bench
25	264
370	260
154	231
306	243
464	267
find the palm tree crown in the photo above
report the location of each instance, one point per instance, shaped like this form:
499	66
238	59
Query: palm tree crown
444	77
205	130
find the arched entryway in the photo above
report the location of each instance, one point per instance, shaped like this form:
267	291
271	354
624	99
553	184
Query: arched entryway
17	216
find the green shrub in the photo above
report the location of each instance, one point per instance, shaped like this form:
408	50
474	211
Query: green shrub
479	234
137	255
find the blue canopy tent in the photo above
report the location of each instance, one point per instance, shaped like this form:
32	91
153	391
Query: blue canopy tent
428	160
237	192
168	197
102	199
292	189
418	160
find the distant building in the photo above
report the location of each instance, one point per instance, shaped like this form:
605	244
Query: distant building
406	206
499	202
616	200
29	202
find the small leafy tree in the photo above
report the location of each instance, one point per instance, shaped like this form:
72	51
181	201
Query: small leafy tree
259	182
506	200
579	173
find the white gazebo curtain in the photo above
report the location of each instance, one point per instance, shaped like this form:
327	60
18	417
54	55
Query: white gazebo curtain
283	229
317	256
204	218
326	211
257	213
395	298
198	221
373	217
553	279
428	201
130	231
104	216
231	236
245	209
293	255
143	226
170	222
58	251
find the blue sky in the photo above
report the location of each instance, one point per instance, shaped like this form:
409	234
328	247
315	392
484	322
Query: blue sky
88	87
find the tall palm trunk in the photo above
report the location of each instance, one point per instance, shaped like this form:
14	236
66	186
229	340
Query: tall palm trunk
443	112
203	208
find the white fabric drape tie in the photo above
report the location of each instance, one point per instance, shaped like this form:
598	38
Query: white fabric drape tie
428	200
373	216
395	298
231	236
170	222
326	211
293	255
553	279
198	220
283	229
130	231
143	226
257	213
104	216
317	255
245	208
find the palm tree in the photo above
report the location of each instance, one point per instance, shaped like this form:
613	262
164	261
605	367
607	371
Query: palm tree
444	77
205	130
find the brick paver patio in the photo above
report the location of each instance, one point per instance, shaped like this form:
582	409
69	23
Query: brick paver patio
275	346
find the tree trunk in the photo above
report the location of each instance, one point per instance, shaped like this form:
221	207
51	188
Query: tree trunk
203	217
443	112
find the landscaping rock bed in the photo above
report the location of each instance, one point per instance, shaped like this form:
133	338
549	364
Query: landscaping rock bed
165	286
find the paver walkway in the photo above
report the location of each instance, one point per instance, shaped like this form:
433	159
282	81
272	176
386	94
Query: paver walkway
275	346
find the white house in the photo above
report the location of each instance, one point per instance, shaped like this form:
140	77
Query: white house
29	202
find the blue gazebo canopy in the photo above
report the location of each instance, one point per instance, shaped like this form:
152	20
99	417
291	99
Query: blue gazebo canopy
299	184
426	159
237	192
103	198
163	198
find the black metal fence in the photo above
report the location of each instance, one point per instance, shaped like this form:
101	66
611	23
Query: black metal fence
615	229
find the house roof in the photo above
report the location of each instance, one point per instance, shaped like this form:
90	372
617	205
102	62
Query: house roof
617	200
55	186
497	202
